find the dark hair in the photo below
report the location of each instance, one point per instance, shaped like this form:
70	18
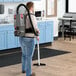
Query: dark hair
29	5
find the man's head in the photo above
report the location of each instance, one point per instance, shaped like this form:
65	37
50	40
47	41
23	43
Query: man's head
30	6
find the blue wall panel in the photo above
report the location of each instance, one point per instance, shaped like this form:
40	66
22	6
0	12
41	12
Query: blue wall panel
2	40
8	40
8	0
12	40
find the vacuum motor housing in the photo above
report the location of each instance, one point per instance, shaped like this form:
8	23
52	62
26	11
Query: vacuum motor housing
19	25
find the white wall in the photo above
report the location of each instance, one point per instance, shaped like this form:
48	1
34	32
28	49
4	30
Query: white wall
60	11
41	5
6	15
72	6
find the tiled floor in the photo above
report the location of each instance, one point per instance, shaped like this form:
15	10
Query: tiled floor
62	65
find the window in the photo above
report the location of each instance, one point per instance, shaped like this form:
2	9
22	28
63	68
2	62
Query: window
51	8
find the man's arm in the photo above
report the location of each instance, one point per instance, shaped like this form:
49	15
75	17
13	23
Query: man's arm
34	21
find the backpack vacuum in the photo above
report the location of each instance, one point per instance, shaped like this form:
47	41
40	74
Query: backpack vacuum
20	23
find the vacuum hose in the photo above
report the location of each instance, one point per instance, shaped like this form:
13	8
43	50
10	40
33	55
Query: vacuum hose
28	16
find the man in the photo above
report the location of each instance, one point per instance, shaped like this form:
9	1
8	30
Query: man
27	44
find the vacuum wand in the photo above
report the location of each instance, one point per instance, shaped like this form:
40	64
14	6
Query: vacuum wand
38	52
38	64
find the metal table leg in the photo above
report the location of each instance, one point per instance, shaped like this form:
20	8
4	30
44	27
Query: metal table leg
62	28
70	28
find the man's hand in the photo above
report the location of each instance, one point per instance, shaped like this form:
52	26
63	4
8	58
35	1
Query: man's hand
38	31
37	38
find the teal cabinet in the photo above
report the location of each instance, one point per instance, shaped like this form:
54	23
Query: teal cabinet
11	40
8	0
18	0
8	40
35	41
18	43
25	0
49	31
42	36
31	0
1	0
46	31
41	26
2	40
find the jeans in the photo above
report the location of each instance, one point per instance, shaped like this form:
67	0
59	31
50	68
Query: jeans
27	46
